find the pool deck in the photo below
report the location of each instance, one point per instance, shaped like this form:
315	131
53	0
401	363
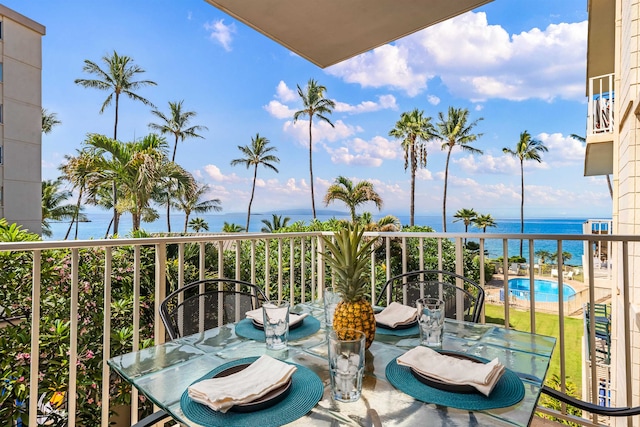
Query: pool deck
493	287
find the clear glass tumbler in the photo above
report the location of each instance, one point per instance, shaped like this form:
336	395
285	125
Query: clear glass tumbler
331	300
431	321
346	364
276	324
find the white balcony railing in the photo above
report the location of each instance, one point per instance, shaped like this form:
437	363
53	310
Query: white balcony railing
287	264
601	101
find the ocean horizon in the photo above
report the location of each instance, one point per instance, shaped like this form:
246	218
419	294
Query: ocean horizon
97	225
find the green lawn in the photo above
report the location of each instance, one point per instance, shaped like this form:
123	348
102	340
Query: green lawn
547	324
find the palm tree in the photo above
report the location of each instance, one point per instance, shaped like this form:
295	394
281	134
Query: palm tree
315	104
526	149
414	130
388	223
583	139
484	221
276	223
352	195
255	155
80	172
176	124
188	201
543	255
49	120
231	228
454	131
53	208
466	215
197	224
135	169
118	80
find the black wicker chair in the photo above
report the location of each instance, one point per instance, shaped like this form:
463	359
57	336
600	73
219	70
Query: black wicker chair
459	293
203	305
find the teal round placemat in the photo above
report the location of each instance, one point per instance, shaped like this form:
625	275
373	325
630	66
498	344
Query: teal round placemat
310	325
409	332
508	391
306	391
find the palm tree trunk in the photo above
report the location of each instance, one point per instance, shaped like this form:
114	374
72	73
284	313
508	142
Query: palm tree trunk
610	187
175	148
412	205
521	203
313	199
186	221
108	228
115	194
253	189
168	213
115	211
75	217
444	198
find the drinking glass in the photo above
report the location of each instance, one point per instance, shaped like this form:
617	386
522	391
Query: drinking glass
276	324
431	321
331	300
346	364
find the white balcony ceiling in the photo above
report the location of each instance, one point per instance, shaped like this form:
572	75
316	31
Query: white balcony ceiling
598	159
329	31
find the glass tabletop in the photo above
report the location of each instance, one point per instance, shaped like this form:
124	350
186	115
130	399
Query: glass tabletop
164	372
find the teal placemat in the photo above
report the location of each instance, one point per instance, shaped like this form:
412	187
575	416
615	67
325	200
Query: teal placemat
310	326
306	391
507	392
399	332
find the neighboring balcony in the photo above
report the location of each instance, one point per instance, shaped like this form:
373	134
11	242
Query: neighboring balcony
600	126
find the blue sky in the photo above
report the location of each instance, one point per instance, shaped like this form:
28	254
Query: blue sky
520	65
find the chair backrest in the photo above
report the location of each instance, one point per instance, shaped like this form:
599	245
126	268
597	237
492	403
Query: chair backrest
207	304
463	297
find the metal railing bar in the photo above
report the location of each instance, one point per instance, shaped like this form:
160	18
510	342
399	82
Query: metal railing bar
106	336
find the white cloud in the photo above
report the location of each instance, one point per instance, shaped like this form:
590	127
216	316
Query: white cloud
365	153
221	33
216	174
488	164
478	61
321	130
562	149
386	65
424	175
479	107
279	110
384	102
284	94
433	100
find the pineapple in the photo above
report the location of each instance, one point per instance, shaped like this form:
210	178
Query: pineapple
349	258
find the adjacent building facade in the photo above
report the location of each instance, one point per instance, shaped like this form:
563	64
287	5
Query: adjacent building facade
613	147
21	119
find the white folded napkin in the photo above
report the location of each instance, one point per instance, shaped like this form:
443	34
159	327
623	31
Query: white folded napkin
396	314
257	316
452	370
259	378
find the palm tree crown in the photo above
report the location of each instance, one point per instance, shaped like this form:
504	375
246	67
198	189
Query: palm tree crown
188	201
49	120
276	223
53	208
176	124
414	130
258	153
314	104
484	221
527	148
117	79
466	215
352	195
455	131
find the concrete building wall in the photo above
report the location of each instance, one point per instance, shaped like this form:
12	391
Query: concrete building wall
626	203
21	127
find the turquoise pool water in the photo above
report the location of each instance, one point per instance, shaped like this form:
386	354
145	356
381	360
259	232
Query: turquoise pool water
545	290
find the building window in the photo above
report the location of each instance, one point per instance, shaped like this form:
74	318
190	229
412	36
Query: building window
0	72
1	159
1	114
1	31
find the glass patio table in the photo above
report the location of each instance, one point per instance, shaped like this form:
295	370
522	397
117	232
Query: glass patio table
163	373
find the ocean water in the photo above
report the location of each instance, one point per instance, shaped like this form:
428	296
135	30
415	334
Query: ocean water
96	228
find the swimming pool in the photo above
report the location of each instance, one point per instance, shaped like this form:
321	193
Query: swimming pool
545	290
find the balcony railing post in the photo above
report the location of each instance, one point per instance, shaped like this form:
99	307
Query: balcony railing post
106	336
35	338
160	291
